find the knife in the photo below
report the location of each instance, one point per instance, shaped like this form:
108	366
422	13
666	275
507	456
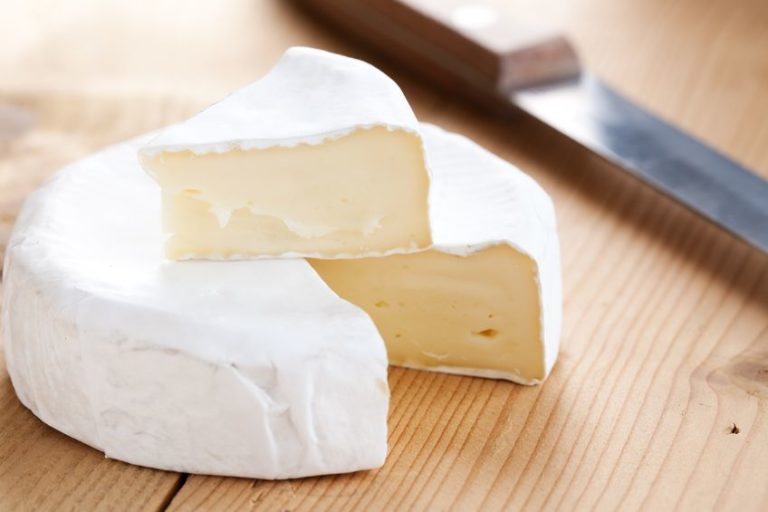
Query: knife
477	51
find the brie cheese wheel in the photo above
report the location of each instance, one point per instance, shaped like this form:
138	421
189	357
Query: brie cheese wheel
252	368
486	300
322	157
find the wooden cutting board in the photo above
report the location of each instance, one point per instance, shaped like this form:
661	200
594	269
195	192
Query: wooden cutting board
660	396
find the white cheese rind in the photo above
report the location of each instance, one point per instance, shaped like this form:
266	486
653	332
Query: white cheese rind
308	97
251	369
486	299
320	158
478	200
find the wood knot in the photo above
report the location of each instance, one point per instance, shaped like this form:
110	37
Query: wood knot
748	372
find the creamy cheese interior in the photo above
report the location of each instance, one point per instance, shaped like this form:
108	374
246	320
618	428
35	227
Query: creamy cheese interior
436	310
361	194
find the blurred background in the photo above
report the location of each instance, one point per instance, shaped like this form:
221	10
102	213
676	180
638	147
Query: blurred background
77	76
649	283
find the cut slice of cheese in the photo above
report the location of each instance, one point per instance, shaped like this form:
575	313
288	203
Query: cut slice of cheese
251	368
322	158
486	300
256	368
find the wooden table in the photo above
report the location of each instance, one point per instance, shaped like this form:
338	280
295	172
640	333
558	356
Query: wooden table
660	396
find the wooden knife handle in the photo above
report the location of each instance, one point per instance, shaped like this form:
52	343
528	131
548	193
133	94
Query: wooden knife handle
472	48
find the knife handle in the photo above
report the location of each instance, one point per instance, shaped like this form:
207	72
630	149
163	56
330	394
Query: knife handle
472	48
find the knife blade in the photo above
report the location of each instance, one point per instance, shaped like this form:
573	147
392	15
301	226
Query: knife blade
478	51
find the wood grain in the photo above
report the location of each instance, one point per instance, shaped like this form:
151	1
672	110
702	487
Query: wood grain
42	469
665	347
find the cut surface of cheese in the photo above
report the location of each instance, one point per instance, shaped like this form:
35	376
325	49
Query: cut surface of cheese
322	158
486	300
249	368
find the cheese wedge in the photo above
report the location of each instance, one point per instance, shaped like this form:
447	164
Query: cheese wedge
486	300
256	368
252	368
322	158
